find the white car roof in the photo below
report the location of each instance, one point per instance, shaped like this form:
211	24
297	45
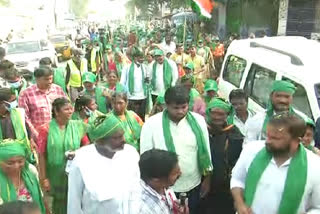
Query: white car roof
304	49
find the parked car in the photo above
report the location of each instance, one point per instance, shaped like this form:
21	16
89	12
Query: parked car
253	64
62	46
26	54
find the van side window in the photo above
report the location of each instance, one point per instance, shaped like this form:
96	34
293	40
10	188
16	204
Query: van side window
258	84
234	70
300	98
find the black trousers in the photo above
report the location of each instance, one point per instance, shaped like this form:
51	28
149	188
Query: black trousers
139	107
193	200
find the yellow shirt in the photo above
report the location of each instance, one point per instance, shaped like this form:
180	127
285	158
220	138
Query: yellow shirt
178	58
198	62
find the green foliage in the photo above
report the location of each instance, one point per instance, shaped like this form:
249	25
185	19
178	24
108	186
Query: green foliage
4	3
79	7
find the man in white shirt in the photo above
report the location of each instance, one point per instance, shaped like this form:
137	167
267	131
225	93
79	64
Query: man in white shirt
164	74
134	77
178	130
168	46
280	176
241	114
281	98
104	177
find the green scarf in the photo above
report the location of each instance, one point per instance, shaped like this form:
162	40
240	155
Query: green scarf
18	126
57	145
193	94
20	131
11	148
167	74
295	181
131	79
59	78
132	129
119	87
204	161
119	67
58	142
100	99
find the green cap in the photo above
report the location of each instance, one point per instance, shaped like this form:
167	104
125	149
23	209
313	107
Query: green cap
109	125
211	85
310	122
283	86
158	52
189	65
219	103
88	77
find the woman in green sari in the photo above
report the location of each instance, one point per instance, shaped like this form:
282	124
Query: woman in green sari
131	122
18	179
55	139
85	109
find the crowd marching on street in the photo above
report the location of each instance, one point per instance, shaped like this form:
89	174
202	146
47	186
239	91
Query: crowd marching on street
134	123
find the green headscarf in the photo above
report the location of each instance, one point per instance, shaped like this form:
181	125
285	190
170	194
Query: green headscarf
211	85
217	103
11	148
109	125
278	86
283	86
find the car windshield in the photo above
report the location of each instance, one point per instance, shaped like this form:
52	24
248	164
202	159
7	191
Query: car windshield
317	91
59	39
23	47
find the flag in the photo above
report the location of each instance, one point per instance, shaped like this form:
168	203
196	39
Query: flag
202	7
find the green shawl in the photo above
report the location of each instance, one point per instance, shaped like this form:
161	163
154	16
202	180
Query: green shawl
18	126
204	160
192	95
57	144
119	87
59	78
167	74
11	148
100	99
294	185
131	79
132	129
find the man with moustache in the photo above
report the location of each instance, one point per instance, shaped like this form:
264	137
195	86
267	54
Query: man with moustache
104	177
279	175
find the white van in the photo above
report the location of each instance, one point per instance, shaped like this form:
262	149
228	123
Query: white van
253	64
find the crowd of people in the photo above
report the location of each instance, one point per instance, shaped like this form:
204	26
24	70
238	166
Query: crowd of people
143	130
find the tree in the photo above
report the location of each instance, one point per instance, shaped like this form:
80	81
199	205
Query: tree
79	7
4	3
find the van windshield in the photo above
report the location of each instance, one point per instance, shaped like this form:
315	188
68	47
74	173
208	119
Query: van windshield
317	91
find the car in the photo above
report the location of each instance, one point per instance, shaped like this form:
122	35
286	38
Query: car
26	53
62	46
253	64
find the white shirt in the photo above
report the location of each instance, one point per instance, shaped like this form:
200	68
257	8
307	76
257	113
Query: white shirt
242	125
99	185
160	87
271	185
168	48
254	126
138	91
185	144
